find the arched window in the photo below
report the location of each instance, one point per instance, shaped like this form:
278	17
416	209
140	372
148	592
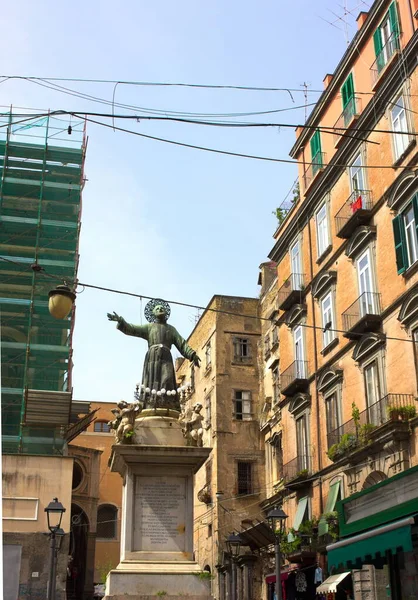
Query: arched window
101	427
107	516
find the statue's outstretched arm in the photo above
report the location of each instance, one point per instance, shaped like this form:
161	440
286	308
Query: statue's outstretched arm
128	328
184	349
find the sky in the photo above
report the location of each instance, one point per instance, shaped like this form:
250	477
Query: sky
158	219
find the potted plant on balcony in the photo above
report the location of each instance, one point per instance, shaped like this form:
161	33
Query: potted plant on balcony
393	413
332	521
364	433
407	412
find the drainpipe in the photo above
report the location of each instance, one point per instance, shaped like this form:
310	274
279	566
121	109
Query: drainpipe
318	431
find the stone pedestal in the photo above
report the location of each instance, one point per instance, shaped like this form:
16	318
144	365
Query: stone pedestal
157	515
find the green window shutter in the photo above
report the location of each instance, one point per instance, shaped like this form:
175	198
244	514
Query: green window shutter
400	244
347	90
315	144
394	21
415	207
333	492
377	40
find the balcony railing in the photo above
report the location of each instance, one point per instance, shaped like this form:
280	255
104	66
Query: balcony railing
377	414
316	165
355	211
295	378
298	468
384	56
363	315
349	114
291	291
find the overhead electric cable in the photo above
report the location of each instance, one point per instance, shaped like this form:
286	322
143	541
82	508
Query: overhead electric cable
184	304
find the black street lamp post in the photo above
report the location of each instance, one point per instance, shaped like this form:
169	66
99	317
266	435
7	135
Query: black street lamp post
233	544
54	512
276	519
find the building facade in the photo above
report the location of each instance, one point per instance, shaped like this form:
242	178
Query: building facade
99	436
42	176
342	426
229	486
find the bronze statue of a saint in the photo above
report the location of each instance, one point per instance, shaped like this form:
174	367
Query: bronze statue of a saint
159	389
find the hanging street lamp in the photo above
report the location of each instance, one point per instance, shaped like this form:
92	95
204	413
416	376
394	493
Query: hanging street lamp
61	300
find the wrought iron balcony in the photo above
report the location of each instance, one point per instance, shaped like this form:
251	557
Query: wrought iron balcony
316	166
347	118
355	211
389	408
297	469
292	291
363	315
384	56
295	378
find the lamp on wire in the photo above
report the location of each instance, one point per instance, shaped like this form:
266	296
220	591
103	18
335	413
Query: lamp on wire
61	300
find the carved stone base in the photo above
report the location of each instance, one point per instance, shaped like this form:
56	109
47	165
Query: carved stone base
154	429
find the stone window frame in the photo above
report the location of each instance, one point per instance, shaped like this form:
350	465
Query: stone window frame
408	317
300	408
405	93
330	383
371	348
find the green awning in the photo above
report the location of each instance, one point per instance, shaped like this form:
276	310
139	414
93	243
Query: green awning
329	507
372	545
300	513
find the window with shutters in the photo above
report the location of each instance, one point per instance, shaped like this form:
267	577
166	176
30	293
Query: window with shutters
274	337
208	356
405	236
267	346
400	125
327	314
334	416
316	152
357	175
348	100
386	38
208	411
107	517
242	349
276	386
242	405
245	483
322	233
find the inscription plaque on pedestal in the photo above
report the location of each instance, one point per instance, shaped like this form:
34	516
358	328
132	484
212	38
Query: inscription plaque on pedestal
160	514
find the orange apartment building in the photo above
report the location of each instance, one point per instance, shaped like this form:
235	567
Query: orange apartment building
340	351
99	436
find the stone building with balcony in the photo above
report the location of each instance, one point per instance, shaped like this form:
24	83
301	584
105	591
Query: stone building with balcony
230	485
343	432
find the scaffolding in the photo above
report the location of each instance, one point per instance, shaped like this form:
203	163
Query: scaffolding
42	176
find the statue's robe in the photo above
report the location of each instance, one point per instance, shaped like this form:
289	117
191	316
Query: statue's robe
158	371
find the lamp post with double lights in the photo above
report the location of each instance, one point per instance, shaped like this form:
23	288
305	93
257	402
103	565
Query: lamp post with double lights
276	519
54	512
233	544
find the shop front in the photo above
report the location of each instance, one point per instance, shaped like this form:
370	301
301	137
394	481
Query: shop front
379	527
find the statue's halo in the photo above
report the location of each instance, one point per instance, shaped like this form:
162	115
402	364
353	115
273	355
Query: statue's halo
149	307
